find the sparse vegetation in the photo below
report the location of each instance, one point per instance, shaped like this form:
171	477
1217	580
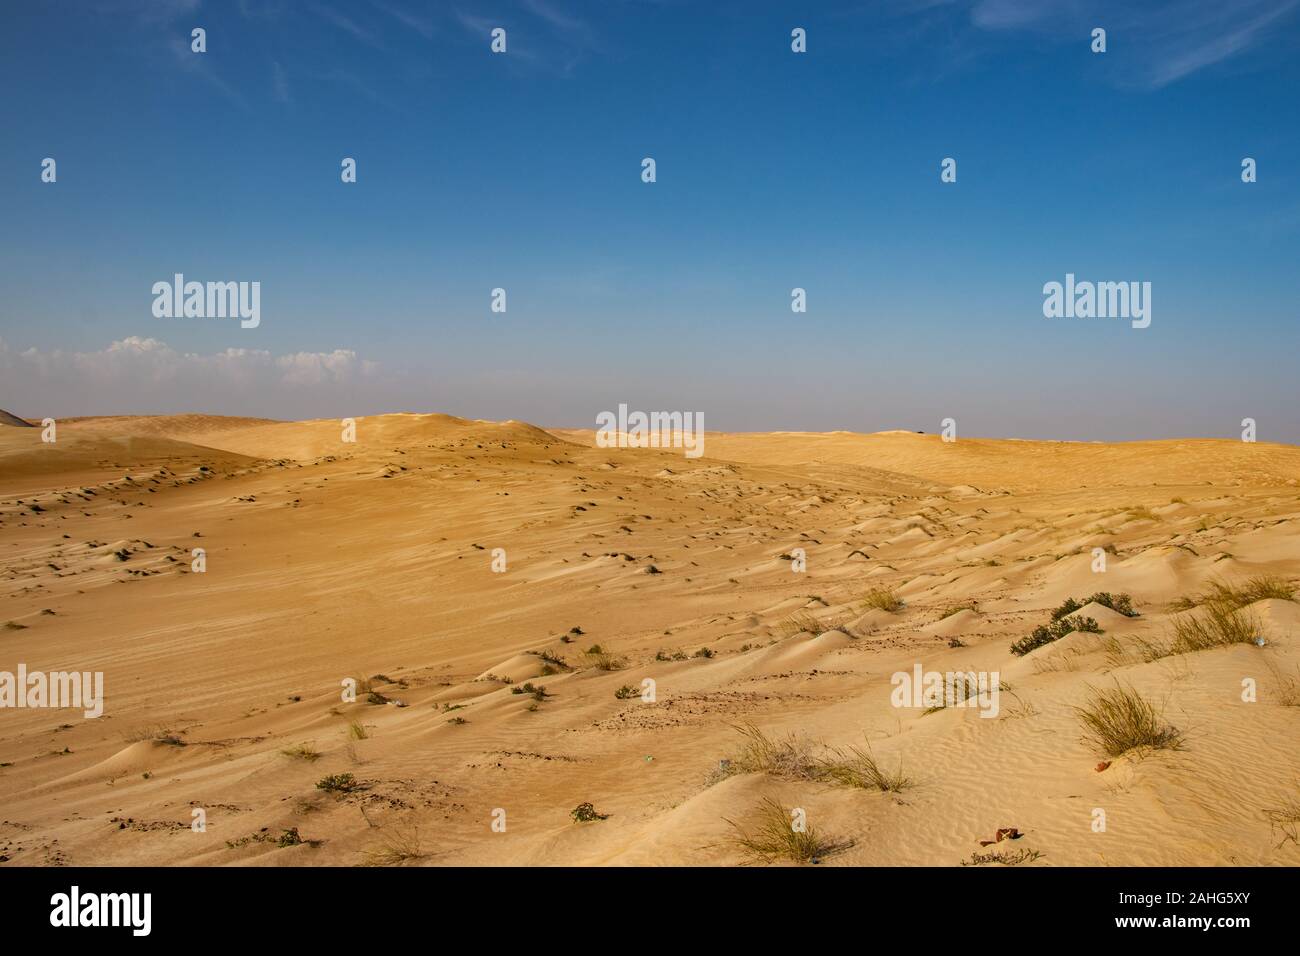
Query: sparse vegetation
1007	857
397	845
957	608
792	757
789	757
1118	720
1046	634
156	734
1286	821
1217	624
602	660
1120	603
857	767
1235	597
528	687
1135	649
801	623
882	599
627	692
357	731
302	752
338	783
775	837
554	660
586	813
1288	687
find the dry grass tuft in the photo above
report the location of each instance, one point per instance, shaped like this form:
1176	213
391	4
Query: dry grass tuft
856	767
1119	720
882	599
774	837
302	752
1238	596
603	660
1217	624
398	844
1286	821
790	757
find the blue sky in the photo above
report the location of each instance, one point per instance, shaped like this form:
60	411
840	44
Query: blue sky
775	170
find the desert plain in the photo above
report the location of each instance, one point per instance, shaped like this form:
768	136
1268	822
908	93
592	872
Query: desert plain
499	594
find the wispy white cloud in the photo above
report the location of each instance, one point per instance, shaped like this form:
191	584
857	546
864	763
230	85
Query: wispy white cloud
1165	41
560	21
147	11
348	25
144	372
421	25
198	64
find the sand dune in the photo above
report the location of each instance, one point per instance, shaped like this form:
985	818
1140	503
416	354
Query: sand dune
516	695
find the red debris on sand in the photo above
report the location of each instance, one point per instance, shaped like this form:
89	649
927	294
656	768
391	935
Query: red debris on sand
1005	833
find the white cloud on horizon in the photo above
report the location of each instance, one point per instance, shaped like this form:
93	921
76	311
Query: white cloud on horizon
140	372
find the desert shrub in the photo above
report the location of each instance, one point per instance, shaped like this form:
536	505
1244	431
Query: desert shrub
1069	607
1120	603
337	783
537	691
1046	634
586	813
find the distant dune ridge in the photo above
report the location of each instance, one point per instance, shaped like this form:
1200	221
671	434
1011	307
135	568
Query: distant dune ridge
500	594
7	419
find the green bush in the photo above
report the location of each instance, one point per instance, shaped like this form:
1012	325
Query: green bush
1046	634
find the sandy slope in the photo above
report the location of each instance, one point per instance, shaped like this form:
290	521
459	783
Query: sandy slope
328	560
